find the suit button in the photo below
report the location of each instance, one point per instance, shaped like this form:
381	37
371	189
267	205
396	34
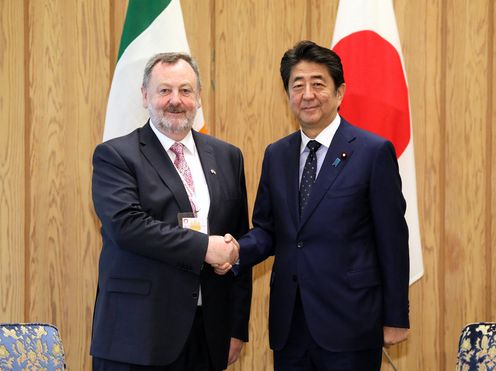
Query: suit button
299	244
295	278
195	295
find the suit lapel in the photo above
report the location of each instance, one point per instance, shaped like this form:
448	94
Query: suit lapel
210	169
292	176
160	160
333	165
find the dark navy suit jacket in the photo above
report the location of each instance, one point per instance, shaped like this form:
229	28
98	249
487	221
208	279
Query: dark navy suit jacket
150	269
347	253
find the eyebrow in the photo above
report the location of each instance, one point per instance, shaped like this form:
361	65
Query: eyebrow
180	85
313	77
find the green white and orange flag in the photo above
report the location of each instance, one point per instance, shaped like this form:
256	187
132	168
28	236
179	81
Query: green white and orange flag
150	27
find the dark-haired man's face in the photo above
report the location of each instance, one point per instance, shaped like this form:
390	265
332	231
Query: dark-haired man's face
313	97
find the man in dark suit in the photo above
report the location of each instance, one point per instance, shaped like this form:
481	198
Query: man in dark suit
159	304
330	209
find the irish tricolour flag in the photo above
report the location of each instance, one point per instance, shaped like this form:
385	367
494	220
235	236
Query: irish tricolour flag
376	98
150	27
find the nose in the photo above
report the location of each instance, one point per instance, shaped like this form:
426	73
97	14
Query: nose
174	97
308	93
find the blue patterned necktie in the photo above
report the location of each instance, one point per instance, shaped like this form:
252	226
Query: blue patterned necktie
309	174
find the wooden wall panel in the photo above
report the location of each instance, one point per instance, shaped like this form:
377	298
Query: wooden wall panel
252	111
12	162
321	20
467	163
68	78
422	52
199	24
490	121
52	110
250	103
118	10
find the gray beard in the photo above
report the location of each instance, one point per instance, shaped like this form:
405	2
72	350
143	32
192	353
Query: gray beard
165	125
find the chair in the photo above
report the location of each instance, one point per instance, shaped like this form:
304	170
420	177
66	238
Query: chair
477	347
30	346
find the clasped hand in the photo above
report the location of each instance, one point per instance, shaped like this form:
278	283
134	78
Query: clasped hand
222	253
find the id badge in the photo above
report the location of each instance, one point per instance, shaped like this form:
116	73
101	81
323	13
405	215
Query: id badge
192	221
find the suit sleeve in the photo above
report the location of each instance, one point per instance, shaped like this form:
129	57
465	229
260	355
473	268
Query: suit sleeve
391	231
257	245
128	226
242	289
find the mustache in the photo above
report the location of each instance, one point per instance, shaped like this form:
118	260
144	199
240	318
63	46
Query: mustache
174	109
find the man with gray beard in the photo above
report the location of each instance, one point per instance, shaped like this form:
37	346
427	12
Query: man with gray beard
165	194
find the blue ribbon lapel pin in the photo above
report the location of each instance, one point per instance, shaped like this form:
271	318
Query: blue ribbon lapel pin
338	160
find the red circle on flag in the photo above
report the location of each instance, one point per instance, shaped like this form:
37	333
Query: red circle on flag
376	97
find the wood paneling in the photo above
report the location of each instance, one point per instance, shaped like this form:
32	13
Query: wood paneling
422	52
199	20
321	20
68	79
117	16
466	164
12	162
56	63
251	112
490	120
250	104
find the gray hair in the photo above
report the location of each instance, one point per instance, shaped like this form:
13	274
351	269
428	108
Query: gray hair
170	58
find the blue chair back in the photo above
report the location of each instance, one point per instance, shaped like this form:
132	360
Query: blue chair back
30	346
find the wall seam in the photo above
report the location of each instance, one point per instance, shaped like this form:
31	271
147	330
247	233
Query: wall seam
309	20
443	114
27	165
489	146
112	53
213	69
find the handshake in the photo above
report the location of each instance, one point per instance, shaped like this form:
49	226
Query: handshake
222	253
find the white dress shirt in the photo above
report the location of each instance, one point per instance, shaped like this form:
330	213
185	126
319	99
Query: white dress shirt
324	138
201	197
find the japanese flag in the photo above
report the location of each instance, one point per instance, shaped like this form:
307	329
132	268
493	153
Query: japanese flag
376	99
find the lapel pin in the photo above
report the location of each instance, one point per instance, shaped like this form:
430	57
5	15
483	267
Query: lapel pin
344	156
336	162
213	171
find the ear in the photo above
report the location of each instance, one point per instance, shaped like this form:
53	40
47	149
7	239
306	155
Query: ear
144	93
198	101
340	92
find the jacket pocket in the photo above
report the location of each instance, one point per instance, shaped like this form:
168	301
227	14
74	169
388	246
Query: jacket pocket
364	278
129	286
347	191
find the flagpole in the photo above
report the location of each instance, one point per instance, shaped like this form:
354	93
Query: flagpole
390	361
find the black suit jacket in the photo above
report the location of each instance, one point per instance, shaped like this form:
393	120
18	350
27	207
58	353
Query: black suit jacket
150	269
347	253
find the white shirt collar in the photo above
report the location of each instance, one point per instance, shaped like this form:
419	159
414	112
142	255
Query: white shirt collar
324	137
167	142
